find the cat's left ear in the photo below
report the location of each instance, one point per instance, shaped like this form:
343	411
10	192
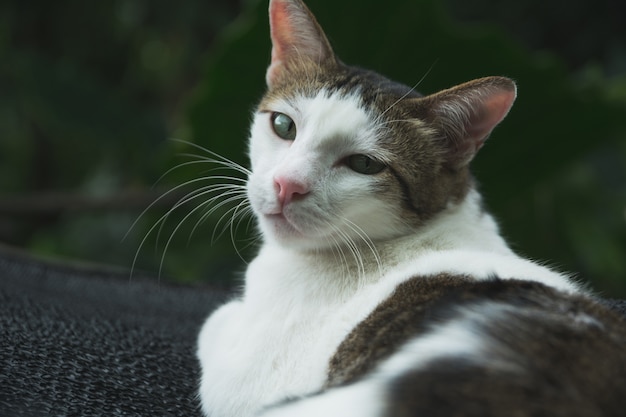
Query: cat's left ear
297	39
466	114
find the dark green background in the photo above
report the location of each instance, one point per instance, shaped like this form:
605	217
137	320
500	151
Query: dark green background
92	92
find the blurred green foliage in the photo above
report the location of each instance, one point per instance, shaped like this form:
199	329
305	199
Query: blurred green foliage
91	93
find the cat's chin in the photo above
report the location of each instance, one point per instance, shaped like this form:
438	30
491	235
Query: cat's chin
278	226
283	232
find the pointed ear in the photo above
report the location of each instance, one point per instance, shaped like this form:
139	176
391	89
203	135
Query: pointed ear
466	114
296	38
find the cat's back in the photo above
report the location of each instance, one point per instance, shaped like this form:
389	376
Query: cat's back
450	345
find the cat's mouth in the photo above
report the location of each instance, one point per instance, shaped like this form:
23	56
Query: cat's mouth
282	226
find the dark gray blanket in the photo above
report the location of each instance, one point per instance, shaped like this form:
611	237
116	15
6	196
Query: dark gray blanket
86	341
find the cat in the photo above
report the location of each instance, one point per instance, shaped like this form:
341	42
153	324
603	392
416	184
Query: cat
382	286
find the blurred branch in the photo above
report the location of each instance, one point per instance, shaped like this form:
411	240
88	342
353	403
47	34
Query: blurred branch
53	203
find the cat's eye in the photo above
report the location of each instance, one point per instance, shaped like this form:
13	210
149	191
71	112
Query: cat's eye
283	126
363	164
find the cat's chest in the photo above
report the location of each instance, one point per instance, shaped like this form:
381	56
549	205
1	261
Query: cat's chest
253	358
276	341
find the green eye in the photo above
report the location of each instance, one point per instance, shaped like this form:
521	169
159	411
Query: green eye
363	164
283	126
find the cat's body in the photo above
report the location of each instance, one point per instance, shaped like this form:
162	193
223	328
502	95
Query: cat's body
277	341
379	260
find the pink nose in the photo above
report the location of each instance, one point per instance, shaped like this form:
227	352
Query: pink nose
289	190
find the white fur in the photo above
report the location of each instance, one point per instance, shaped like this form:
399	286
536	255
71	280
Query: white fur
363	399
300	302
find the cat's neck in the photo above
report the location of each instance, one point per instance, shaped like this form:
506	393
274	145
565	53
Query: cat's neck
465	226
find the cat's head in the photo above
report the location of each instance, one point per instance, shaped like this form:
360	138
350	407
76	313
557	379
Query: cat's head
340	153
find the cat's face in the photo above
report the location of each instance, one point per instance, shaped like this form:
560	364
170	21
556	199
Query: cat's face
343	156
319	172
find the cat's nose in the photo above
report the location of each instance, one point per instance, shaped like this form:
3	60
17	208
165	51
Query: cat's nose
289	189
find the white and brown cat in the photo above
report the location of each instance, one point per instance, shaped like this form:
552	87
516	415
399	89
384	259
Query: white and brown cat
382	287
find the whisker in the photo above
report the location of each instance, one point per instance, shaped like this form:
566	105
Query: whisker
193	195
245	213
388	122
253	240
160	222
201	192
367	240
233	231
169	240
231	189
197	208
215	155
351	245
338	252
235	195
214	237
161	197
199	159
410	91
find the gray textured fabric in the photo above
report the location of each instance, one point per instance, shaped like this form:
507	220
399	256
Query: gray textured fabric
87	341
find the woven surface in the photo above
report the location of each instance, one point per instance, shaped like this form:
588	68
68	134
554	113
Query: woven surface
85	341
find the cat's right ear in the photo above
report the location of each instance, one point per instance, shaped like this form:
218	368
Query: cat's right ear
297	39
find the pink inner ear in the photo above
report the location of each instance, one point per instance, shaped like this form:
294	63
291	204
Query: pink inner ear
280	32
281	29
492	110
296	37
